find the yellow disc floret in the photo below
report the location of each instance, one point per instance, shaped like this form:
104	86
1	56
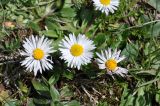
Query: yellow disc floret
38	54
105	2
76	50
111	64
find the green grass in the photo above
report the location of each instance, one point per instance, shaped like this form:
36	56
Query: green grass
134	28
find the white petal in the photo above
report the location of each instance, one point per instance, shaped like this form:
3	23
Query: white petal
84	58
106	8
30	63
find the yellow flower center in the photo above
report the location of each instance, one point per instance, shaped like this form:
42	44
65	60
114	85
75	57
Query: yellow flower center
38	54
105	2
111	64
76	50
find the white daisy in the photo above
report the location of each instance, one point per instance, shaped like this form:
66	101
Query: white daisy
76	51
36	51
108	60
106	6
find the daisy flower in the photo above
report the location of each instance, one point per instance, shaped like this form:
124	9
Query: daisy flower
109	60
36	51
76	51
106	6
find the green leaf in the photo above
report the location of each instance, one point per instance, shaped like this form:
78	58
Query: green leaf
102	104
54	93
155	4
131	51
140	91
73	103
147	72
41	102
140	101
56	103
23	87
65	92
69	26
40	86
149	82
53	79
127	98
68	12
12	102
130	100
52	25
158	96
86	14
30	102
156	29
50	33
68	74
68	3
100	37
34	26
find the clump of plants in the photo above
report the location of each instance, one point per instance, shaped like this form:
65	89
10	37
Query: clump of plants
79	52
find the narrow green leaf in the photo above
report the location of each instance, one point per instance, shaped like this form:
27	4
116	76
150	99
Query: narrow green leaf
155	4
67	12
54	93
50	33
39	86
149	82
156	29
73	103
42	102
